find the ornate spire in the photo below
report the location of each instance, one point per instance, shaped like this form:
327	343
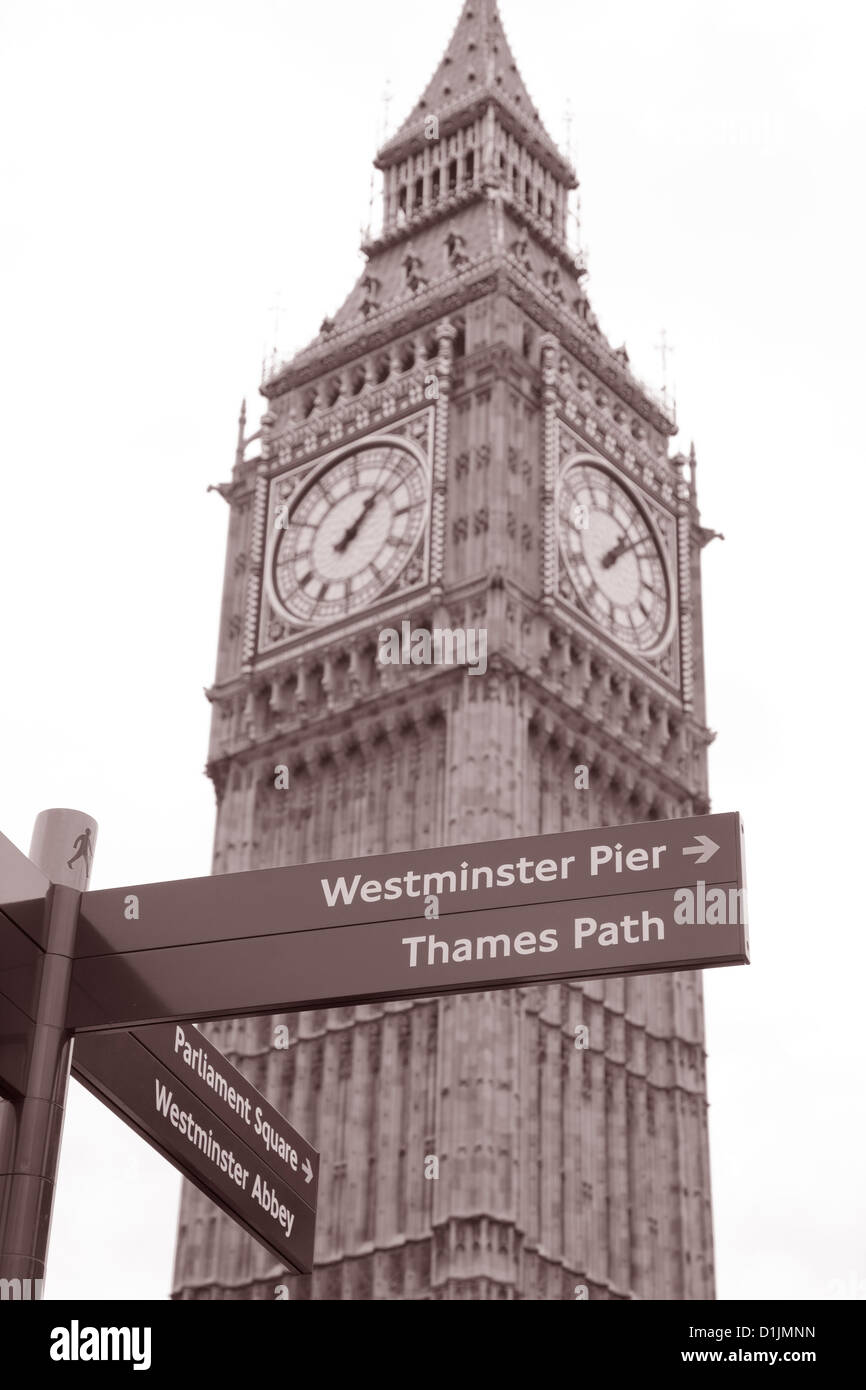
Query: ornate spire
478	67
242	430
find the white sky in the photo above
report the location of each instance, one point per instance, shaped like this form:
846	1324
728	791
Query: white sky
167	169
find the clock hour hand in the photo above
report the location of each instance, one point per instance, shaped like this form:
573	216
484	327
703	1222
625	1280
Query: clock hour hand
353	530
622	545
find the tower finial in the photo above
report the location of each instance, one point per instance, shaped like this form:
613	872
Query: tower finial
665	351
477	67
490	17
242	429
387	98
569	131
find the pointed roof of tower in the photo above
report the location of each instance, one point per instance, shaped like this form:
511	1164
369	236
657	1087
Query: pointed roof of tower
477	66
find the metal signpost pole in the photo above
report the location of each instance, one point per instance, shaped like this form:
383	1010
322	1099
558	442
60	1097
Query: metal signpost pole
62	846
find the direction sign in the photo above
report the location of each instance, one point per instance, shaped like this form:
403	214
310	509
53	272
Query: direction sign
657	896
186	1099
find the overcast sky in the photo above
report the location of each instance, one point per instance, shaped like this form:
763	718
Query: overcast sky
174	170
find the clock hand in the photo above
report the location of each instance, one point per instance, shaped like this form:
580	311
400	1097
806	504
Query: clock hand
353	530
622	545
348	535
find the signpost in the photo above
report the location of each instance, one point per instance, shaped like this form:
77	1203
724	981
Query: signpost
179	1092
622	900
663	895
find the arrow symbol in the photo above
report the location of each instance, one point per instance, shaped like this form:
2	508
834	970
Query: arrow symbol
308	1171
706	849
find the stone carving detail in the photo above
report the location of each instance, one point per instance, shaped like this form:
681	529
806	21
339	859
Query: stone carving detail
413	573
371	286
553	283
520	251
455	249
412	267
582	308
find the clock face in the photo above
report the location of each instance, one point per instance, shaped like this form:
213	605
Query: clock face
615	558
351	529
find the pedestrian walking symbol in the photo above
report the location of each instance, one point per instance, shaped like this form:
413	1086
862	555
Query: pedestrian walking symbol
83	850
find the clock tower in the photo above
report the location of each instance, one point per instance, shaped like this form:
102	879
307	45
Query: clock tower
460	448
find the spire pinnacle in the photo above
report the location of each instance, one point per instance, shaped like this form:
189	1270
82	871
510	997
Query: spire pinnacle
478	67
242	429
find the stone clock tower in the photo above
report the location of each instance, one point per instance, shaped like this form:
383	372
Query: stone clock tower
460	447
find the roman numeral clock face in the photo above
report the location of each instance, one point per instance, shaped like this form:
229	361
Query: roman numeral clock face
351	529
615	558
